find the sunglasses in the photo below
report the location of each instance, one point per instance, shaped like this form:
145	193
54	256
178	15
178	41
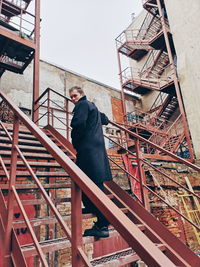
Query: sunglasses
73	96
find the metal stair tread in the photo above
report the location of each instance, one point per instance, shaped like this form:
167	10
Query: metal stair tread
35	187
29	154
36	155
21	135
118	258
24	147
60	243
38	173
38	164
21	140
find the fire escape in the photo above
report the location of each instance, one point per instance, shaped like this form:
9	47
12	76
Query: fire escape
165	122
19	38
37	165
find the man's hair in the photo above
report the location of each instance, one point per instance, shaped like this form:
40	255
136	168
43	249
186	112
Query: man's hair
79	90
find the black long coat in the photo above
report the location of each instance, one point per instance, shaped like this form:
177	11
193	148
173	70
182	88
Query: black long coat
88	140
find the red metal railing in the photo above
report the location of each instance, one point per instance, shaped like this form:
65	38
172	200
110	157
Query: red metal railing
15	16
139	78
54	110
142	160
134	237
159	102
164	133
167	129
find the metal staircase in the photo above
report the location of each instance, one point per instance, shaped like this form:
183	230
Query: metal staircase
18	35
33	155
157	74
136	43
155	64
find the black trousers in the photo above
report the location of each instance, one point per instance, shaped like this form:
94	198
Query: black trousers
101	219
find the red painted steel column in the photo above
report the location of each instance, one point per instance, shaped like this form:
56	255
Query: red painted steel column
1	6
177	87
48	107
36	66
11	197
141	175
122	89
76	224
51	227
67	118
52	117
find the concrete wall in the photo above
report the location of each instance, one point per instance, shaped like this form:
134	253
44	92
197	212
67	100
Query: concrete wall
184	22
19	87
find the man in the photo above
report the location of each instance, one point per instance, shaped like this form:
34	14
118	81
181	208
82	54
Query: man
88	140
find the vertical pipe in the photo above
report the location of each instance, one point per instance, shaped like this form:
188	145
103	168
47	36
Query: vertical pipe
20	28
11	197
123	97
76	223
175	78
52	117
122	89
48	107
1	1
141	174
67	118
35	115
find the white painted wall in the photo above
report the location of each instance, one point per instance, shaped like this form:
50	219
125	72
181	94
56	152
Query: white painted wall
184	22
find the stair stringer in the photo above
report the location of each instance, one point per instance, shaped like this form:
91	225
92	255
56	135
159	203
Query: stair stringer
175	246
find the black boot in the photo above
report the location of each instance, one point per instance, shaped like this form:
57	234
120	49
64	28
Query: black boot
86	211
97	232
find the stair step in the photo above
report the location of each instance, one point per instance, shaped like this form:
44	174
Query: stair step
60	243
21	141
38	173
29	155
120	258
36	155
24	147
35	164
48	220
27	136
33	202
34	186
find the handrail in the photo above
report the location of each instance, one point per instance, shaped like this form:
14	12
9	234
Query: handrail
177	158
159	100
50	109
50	89
161	172
154	193
129	231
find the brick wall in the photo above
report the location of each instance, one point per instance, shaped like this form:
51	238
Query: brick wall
172	192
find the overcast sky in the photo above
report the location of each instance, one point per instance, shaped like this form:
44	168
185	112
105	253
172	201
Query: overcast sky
80	35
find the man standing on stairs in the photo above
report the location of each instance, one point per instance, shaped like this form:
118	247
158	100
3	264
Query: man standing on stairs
88	140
